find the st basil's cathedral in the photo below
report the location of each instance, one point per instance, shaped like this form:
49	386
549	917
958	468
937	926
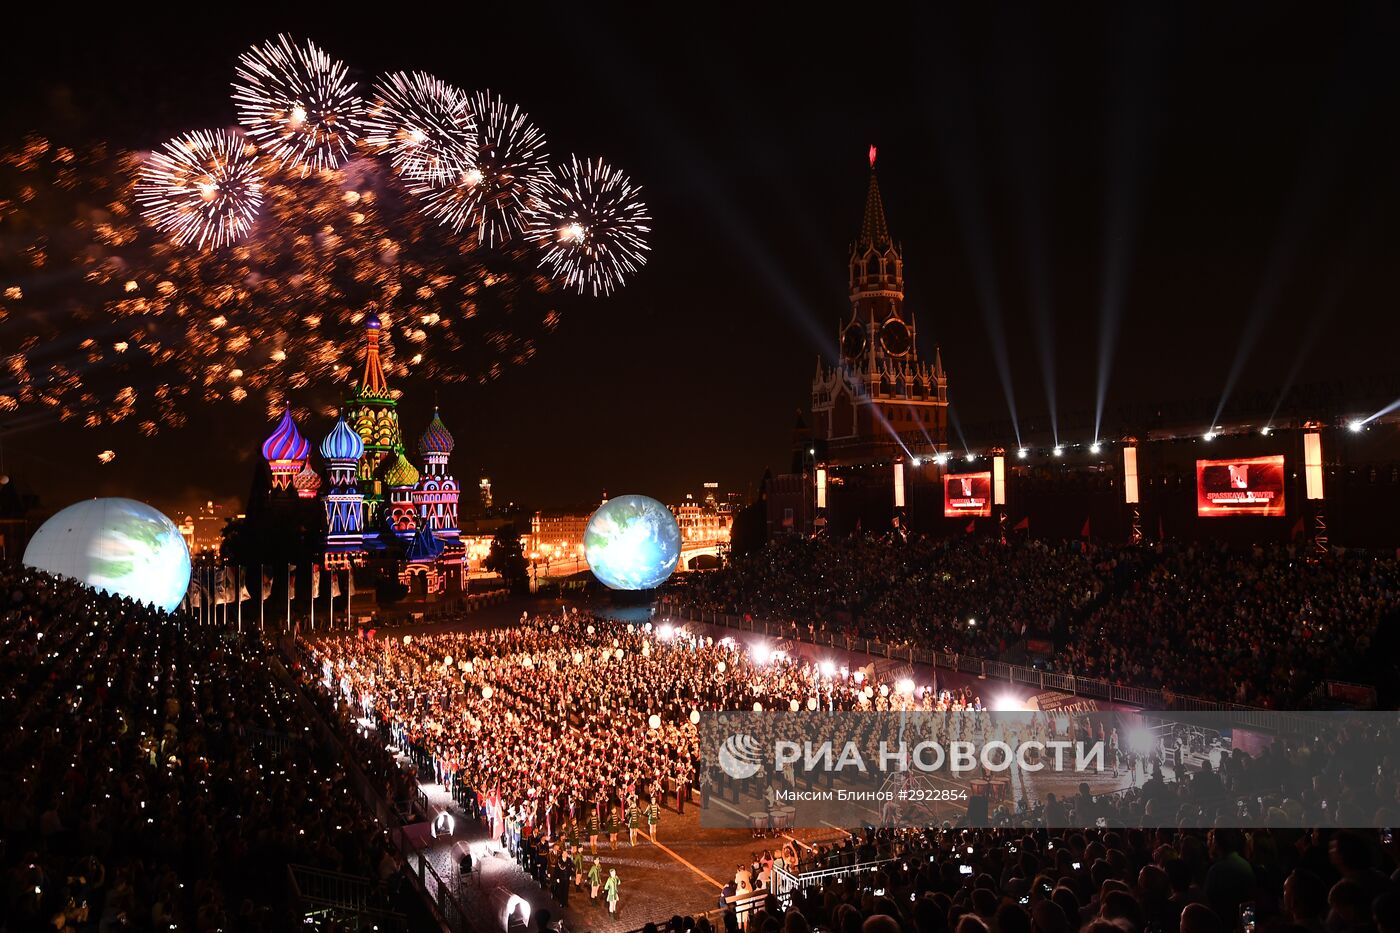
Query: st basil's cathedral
380	507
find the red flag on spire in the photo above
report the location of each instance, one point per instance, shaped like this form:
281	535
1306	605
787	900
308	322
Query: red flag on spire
1084	532
1023	525
872	156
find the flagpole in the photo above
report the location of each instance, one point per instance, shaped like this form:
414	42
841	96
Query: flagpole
262	600
330	602
315	583
289	596
238	595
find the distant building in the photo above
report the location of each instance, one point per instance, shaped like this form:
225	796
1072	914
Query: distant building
557	534
203	529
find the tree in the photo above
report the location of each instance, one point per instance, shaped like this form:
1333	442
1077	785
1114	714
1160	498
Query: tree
749	533
507	559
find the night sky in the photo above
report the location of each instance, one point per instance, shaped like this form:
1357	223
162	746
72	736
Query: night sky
1212	178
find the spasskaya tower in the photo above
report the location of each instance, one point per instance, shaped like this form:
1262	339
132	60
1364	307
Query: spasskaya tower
879	388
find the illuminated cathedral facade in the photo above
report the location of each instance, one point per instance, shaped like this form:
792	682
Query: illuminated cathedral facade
379	506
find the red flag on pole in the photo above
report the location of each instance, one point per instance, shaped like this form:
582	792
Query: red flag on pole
1023	525
971	526
1084	532
1298	528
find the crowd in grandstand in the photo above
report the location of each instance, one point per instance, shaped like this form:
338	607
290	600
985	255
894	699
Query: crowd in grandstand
1095	881
157	775
1260	626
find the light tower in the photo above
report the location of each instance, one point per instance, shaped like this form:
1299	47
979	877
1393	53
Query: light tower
1130	488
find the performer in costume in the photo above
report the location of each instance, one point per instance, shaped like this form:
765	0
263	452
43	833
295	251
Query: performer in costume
634	820
653	818
595	877
613	889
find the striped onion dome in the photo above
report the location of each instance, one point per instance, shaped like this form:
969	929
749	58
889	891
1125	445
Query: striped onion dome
437	439
343	443
286	442
401	473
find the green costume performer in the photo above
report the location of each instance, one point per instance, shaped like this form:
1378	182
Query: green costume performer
595	877
611	889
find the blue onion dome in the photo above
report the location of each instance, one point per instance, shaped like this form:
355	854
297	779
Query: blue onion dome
401	473
437	439
286	442
343	443
372	321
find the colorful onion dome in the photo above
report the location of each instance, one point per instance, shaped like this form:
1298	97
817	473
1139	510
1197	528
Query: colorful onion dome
306	482
372	321
437	439
401	473
343	443
286	442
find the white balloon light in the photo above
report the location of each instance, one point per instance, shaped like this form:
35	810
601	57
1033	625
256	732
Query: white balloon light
487	693
695	717
654	721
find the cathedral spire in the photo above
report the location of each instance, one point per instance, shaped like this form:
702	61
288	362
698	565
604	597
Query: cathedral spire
373	383
875	230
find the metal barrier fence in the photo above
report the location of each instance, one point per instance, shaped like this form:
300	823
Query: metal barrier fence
1275	721
785	883
346	902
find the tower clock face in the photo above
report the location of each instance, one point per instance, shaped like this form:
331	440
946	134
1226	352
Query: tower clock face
894	337
853	341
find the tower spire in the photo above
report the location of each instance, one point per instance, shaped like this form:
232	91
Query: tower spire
875	230
373	383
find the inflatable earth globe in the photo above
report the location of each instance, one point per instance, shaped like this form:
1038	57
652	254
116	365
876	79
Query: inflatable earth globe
632	543
119	546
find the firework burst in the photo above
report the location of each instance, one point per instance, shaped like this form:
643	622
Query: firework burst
203	188
425	126
490	197
141	330
294	99
590	224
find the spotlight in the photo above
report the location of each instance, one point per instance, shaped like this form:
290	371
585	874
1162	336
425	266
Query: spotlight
1095	447
1210	435
916	461
1356	426
971	457
1059	451
760	653
971	623
828	668
941	459
1023	453
1265	430
1008	703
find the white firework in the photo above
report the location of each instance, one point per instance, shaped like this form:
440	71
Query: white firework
491	195
425	125
589	224
203	188
296	101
